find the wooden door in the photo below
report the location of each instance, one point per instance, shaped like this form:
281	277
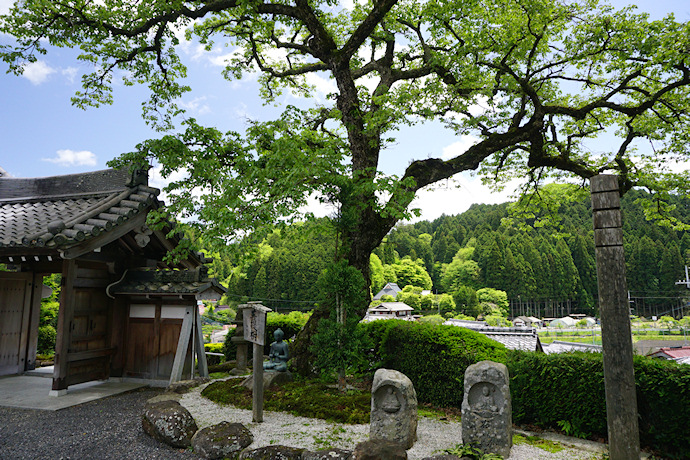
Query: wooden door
15	306
152	335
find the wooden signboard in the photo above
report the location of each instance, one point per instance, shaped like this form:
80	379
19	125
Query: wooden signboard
254	315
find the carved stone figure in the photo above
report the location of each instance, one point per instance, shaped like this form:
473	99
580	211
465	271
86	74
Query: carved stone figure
278	354
393	408
486	408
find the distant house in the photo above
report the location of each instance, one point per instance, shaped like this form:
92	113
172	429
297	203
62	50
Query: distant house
390	289
678	354
390	310
513	338
527	321
566	347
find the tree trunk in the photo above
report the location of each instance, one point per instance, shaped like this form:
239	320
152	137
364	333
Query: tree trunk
357	244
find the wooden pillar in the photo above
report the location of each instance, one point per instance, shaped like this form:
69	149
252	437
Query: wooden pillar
64	327
34	320
258	389
619	377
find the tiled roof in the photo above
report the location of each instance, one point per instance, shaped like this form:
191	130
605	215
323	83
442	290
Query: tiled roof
392	306
391	289
513	338
566	347
672	352
142	281
62	211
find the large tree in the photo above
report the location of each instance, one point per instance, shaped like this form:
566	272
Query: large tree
532	80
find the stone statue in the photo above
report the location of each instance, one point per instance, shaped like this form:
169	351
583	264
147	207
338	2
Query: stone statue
278	354
393	408
487	409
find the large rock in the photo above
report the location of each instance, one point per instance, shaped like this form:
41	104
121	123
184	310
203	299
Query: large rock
328	454
273	453
183	386
486	408
393	408
379	449
270	378
169	422
224	440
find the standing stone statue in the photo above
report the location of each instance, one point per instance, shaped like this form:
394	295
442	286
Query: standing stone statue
278	354
393	408
486	408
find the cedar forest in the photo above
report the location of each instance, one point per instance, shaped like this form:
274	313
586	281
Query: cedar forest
543	260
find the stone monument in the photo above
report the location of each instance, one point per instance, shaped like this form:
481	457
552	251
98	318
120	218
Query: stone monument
486	408
242	345
393	408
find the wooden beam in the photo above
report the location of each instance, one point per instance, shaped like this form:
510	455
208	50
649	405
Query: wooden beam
182	345
200	351
90	354
104	238
64	329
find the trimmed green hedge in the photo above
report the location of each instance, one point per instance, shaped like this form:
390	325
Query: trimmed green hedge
569	388
433	357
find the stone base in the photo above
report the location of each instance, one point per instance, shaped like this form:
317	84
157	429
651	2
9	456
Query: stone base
57	393
238	371
270	378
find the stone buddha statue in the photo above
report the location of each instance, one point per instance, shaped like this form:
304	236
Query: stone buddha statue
278	353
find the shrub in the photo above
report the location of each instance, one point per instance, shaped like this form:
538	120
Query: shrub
46	339
567	391
435	357
213	348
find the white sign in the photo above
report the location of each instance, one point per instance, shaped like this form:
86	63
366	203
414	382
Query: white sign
254	322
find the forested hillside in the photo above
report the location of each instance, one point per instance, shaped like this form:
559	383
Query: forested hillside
541	256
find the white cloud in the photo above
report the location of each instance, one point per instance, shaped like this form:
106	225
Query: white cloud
37	72
456	195
73	158
70	73
5	6
196	106
459	147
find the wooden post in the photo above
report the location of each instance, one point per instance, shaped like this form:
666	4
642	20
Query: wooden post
619	377
183	345
254	322
64	328
258	390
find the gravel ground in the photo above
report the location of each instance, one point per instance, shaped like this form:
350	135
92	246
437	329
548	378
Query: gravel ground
111	429
313	434
108	428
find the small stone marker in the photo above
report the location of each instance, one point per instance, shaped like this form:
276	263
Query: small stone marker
393	408
486	408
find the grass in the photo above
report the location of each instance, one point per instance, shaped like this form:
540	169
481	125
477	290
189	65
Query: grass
549	446
306	398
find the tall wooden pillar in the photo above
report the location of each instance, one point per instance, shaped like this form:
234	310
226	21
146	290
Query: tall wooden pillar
619	377
64	327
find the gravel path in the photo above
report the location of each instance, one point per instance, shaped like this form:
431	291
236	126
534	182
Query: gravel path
313	434
111	429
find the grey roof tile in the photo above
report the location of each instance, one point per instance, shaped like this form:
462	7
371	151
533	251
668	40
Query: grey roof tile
61	211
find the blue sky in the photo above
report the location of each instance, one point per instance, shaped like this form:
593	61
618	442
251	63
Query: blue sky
42	134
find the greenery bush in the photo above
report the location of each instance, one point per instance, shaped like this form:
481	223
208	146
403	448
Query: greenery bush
214	348
46	339
567	391
434	357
